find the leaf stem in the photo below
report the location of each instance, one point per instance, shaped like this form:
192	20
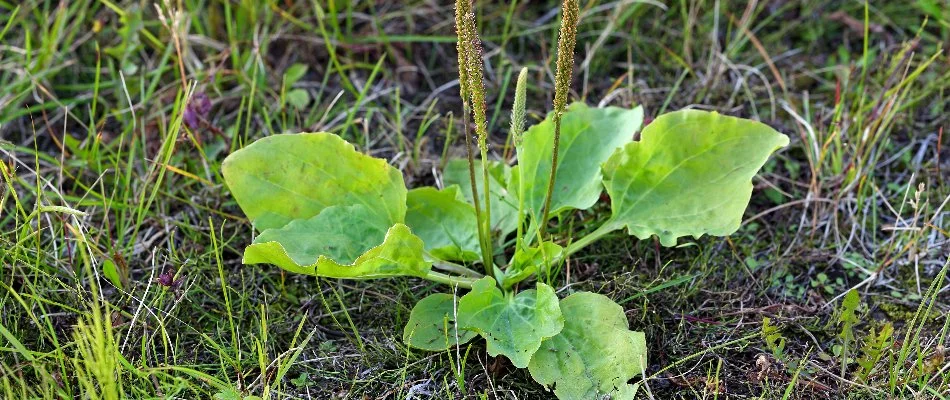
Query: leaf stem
592	237
456	268
460	281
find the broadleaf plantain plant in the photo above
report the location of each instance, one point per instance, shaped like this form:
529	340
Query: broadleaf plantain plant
325	209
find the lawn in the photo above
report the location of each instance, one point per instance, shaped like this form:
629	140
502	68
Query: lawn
121	245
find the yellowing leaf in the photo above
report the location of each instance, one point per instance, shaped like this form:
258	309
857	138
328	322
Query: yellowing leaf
400	252
690	174
285	177
323	208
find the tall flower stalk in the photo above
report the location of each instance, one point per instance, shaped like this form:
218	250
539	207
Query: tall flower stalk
517	130
472	90
567	37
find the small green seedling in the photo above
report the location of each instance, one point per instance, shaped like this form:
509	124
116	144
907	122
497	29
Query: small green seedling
325	209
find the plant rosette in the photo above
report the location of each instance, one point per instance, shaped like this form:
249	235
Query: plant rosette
324	209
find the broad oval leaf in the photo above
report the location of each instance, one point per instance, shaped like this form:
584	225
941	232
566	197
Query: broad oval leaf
594	355
341	233
588	137
504	207
281	178
432	324
326	244
444	222
690	174
512	325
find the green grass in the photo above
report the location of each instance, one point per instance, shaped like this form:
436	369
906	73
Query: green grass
104	190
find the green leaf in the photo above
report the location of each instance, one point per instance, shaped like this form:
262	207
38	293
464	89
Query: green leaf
875	346
594	355
432	324
513	325
285	177
301	381
528	262
444	222
294	73
504	206
321	246
588	137
341	233
111	272
228	394
690	174
298	98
